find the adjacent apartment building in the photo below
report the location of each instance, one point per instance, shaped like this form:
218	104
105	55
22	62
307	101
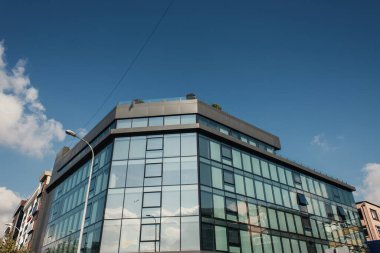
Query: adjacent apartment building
369	214
180	175
33	211
13	228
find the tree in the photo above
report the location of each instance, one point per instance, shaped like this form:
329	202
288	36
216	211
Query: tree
8	245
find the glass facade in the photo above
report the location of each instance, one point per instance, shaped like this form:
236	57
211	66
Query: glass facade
62	232
152	199
249	204
189	192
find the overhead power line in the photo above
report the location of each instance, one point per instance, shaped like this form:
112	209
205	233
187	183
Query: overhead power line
129	67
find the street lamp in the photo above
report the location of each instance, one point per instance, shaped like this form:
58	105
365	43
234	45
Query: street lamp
73	134
11	225
155	230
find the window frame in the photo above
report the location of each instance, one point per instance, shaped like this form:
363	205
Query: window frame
374	214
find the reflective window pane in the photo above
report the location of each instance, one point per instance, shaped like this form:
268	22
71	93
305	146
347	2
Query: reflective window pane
204	147
110	237
130	235
121	149
249	187
154	143
215	151
272	218
256	166
114	204
277	195
239	182
259	190
286	245
268	193
153	170
264	169
221	238
217	178
289	177
245	242
118	174
263	216
236	159
188	119
135	173
290	222
140	122
276	244
171	171
247	162
281	220
172	120
124	123
152	199
295	246
190	233
189	170
132	203
219	210
267	243
137	147
205	174
156	121
188	144
273	172
208	237
170	201
253	214
150	232
285	198
189	200
206	204
172	145
242	211
170	234
256	243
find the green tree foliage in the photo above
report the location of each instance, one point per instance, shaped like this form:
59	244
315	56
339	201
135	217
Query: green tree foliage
8	245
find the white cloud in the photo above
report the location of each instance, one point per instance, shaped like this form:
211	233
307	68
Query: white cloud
9	202
320	141
24	124
370	189
81	132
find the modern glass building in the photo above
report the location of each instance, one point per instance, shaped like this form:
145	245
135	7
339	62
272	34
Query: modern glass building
179	175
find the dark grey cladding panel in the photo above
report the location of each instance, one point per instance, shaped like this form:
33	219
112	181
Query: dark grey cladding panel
156	109
238	125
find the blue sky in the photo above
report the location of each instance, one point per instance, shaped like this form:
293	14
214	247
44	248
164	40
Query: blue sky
307	71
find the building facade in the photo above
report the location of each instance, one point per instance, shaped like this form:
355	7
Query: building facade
14	227
183	176
33	211
369	214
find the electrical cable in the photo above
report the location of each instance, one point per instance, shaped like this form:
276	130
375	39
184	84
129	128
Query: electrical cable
139	52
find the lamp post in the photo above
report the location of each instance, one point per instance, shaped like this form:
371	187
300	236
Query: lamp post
155	230
11	225
73	134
